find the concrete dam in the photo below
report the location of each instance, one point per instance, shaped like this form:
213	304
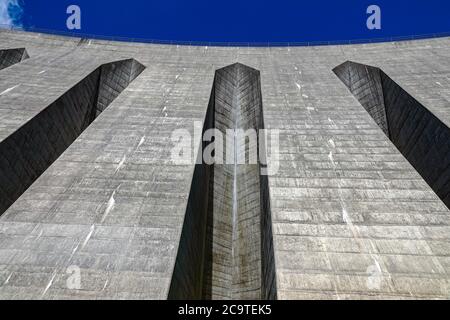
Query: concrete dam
93	206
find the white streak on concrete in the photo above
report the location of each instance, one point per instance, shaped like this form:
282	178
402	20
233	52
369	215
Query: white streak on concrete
86	240
9	90
106	283
346	218
43	71
141	142
109	206
377	264
372	250
49	284
120	165
305	96
7	279
330	156
74	250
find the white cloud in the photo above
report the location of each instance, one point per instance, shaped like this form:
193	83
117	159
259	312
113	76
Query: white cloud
10	13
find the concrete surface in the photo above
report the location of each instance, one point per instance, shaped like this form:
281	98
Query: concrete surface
35	145
227	233
350	217
419	135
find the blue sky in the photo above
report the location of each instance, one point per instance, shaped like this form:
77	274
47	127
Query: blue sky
233	20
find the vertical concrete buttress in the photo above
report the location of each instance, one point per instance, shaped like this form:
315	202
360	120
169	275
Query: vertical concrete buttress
235	204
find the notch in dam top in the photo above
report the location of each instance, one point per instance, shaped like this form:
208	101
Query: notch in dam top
9	57
226	249
421	137
31	149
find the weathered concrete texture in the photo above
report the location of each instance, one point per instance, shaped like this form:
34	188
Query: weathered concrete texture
351	218
364	82
194	252
114	78
418	134
8	57
226	202
235	227
33	147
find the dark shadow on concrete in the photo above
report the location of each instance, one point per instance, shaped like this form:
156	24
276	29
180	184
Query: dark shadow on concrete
226	246
419	135
9	57
29	151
